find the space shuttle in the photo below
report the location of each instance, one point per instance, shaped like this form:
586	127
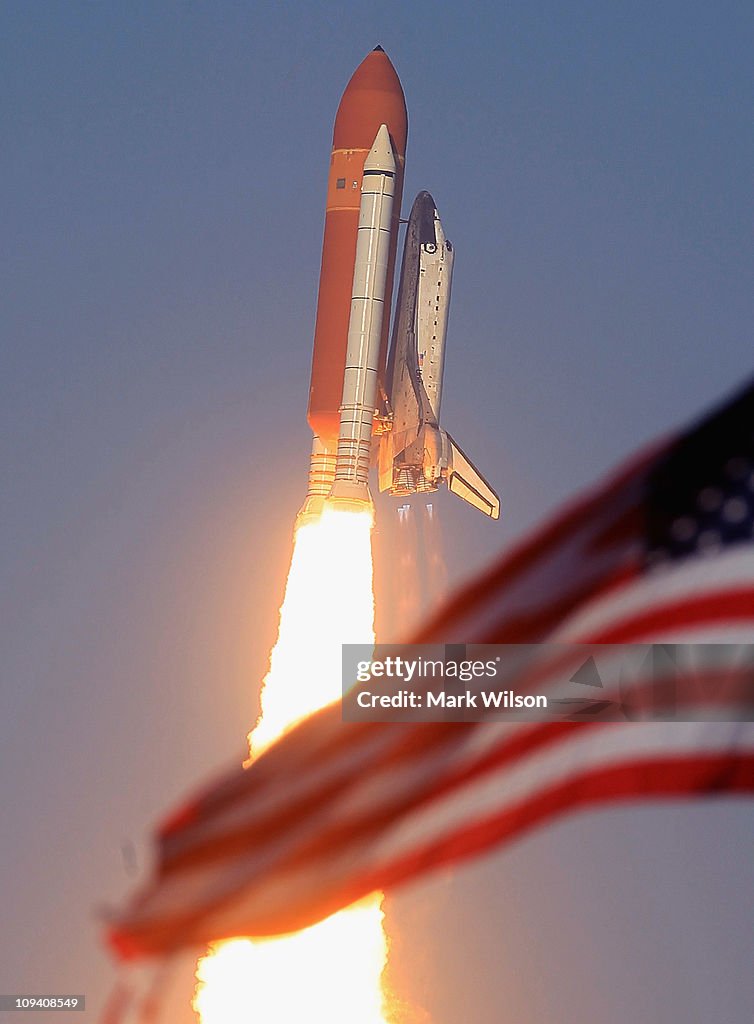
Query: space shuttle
370	402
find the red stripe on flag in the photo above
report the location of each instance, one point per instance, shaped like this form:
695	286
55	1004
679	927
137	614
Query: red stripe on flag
731	605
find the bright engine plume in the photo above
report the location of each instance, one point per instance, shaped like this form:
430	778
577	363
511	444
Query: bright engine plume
330	973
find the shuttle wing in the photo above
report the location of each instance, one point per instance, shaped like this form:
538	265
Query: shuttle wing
465	480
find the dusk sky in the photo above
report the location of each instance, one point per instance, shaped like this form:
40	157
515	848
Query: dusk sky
164	169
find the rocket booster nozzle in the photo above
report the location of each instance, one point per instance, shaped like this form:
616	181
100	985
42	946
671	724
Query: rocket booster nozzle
350	496
321	476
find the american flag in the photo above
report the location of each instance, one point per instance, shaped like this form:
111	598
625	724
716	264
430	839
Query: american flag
662	551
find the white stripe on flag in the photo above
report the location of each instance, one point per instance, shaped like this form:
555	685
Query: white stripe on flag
691	578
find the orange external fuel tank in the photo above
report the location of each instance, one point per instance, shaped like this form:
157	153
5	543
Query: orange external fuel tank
373	97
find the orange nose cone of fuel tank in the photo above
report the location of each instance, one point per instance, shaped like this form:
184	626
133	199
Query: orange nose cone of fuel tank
373	97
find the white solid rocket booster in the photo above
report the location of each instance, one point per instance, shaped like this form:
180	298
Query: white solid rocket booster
365	324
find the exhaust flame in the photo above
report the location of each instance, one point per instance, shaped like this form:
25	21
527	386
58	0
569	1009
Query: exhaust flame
328	601
329	973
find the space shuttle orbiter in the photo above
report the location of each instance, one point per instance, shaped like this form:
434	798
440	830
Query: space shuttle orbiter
415	453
